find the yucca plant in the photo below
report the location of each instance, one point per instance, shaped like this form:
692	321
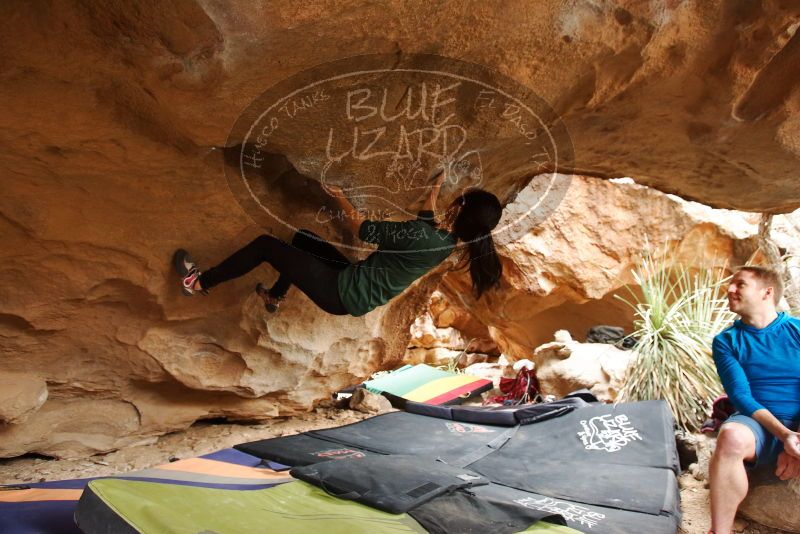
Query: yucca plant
452	365
678	314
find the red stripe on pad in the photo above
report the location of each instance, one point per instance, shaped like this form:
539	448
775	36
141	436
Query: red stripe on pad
455	393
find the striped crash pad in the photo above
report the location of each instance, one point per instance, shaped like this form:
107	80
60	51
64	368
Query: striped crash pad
423	383
226	492
49	507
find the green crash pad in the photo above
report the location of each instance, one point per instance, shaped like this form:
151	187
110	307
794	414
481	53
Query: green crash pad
297	507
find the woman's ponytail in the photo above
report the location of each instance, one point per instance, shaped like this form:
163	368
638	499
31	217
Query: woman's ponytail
479	214
484	264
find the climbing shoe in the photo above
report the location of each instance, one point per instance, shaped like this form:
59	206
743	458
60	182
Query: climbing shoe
188	271
270	303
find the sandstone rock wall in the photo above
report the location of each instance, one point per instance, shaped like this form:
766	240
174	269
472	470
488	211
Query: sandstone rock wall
564	272
113	119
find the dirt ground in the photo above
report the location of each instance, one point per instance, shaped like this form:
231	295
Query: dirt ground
201	438
204	438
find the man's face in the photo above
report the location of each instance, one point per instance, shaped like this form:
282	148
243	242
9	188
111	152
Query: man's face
747	294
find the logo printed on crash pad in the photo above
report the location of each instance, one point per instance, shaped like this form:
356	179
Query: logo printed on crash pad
338	454
465	428
607	433
570	511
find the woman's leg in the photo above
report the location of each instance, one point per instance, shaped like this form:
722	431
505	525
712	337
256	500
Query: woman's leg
318	280
312	243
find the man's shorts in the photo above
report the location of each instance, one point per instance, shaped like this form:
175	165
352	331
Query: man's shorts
768	447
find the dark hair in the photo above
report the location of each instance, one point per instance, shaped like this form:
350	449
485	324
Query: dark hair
479	213
767	278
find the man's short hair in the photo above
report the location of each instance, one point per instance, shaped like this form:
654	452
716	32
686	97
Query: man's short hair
768	278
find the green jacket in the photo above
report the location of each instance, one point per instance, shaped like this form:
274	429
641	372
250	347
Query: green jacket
406	251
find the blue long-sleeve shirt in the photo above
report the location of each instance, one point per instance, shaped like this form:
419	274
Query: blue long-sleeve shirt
760	368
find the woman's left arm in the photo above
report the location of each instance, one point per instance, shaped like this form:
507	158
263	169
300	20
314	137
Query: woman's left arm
351	214
430	204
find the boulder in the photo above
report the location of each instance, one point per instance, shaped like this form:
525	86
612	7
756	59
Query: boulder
700	447
424	333
367	402
446	314
20	397
77	425
774	504
565	366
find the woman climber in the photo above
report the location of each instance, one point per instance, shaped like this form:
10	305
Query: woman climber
406	251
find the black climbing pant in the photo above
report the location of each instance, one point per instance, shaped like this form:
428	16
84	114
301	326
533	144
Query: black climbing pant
310	263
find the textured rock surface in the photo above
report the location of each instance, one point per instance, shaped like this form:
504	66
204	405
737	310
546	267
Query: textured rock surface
367	402
705	445
437	357
424	333
564	272
446	316
566	366
774	504
112	111
20	396
444	345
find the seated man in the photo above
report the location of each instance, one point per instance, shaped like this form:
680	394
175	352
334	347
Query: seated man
758	360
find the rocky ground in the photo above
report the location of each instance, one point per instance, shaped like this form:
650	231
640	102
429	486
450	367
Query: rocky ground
204	438
199	439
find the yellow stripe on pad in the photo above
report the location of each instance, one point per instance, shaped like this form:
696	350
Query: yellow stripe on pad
440	386
224	469
40	494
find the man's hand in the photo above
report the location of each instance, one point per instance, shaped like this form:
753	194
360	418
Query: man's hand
790	439
788	467
791	444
